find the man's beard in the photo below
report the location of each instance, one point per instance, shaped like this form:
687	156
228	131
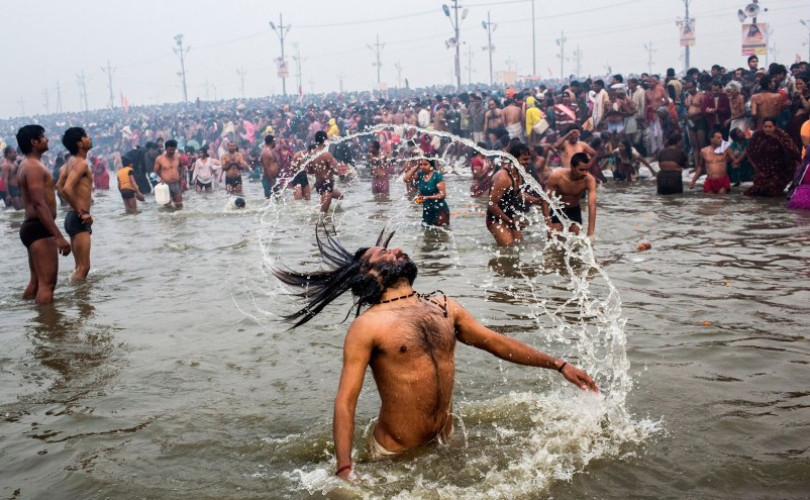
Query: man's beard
391	274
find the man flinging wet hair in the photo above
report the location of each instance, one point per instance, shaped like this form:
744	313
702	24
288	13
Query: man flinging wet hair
409	341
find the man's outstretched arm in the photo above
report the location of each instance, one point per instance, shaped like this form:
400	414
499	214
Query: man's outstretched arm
356	355
473	333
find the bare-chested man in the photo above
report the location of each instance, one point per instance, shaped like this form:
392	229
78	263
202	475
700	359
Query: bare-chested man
715	165
269	166
167	166
513	119
493	121
655	96
76	187
736	101
380	169
569	145
768	103
570	184
409	341
233	162
39	232
13	196
324	167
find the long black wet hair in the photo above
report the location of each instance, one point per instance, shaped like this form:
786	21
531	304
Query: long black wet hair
349	271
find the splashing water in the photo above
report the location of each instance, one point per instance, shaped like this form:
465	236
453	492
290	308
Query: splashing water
516	443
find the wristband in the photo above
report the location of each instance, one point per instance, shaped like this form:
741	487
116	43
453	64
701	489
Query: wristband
84	212
560	369
341	469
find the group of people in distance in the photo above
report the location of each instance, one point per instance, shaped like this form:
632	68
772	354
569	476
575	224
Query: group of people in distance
749	125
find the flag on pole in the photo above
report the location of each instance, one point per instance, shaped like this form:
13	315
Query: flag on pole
124	103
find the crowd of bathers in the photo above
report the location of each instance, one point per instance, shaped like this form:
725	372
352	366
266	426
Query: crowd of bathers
743	125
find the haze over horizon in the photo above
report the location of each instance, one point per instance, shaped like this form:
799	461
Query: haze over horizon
335	41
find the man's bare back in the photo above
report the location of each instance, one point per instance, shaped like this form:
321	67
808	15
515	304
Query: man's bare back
323	167
766	105
269	163
512	114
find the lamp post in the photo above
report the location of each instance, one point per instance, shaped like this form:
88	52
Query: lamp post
487	25
282	31
454	23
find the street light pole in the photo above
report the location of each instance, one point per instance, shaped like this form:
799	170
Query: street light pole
456	31
377	47
178	39
282	31
487	25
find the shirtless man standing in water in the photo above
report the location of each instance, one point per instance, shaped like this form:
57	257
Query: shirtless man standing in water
380	169
569	184
715	165
39	232
233	162
167	166
10	169
269	166
76	187
493	119
324	167
513	119
569	145
408	340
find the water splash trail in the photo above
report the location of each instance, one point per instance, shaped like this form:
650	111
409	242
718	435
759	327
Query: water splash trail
577	312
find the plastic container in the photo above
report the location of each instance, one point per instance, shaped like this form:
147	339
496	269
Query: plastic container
162	195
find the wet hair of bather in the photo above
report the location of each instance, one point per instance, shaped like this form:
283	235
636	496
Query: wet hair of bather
346	271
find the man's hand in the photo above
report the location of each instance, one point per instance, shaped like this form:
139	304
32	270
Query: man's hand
578	378
63	245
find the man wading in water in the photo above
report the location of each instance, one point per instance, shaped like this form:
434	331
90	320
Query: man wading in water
409	341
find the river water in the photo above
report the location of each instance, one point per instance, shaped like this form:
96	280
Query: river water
169	375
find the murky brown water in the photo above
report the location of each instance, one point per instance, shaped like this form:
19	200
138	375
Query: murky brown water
168	375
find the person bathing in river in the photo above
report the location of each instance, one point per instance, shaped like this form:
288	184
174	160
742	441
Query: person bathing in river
380	168
715	165
324	167
408	339
570	184
432	192
507	199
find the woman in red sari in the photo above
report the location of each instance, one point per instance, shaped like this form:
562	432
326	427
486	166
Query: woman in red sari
774	157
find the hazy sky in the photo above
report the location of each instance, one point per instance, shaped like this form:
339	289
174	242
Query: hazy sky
52	41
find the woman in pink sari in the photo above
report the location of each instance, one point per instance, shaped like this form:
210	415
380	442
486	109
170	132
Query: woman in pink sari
800	194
